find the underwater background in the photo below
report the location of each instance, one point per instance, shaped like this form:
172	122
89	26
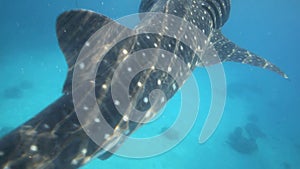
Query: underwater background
260	126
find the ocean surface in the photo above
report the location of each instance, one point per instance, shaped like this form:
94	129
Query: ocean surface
260	103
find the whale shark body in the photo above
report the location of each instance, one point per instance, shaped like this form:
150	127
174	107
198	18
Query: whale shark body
56	139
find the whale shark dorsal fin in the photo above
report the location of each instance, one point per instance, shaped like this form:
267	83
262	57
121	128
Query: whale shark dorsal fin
229	51
73	29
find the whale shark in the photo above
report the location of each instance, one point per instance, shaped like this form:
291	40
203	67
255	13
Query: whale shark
55	138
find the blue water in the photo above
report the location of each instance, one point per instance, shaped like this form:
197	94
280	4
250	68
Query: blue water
33	71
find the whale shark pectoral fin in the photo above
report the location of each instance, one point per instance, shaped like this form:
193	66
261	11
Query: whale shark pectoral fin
229	51
73	29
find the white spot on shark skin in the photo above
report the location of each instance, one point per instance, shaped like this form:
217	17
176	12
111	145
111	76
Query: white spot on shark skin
117	102
124	51
97	120
159	82
129	69
181	47
125	118
84	151
169	69
74	162
106	136
46	126
6	166
266	65
104	86
85	108
162	99
148	37
33	148
139	84
1	153
199	47
81	65
174	86
145	100
87	44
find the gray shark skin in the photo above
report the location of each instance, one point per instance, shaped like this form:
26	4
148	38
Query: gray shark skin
55	139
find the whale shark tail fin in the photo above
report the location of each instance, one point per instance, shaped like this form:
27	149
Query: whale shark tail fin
229	51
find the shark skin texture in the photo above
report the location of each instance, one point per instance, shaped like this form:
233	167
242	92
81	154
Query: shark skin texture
55	139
